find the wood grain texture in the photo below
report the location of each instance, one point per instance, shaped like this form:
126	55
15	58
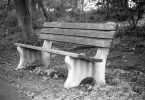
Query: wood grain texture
82	33
75	55
78	40
91	26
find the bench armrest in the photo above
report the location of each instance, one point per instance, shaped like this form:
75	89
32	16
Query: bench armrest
92	59
66	53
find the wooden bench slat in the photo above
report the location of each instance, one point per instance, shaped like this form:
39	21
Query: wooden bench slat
83	33
90	26
78	40
75	55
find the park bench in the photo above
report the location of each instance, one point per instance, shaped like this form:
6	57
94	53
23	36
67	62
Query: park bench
80	66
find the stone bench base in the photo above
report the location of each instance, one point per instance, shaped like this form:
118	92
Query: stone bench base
28	56
80	69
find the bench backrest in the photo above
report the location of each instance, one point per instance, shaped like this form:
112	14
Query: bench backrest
94	34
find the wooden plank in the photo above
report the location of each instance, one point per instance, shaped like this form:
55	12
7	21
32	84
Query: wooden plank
75	55
78	40
83	33
91	26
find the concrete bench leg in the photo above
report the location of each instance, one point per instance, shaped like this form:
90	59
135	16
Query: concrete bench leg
28	56
99	74
81	69
45	55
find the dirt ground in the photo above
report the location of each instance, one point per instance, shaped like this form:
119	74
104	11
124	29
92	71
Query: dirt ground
7	92
125	72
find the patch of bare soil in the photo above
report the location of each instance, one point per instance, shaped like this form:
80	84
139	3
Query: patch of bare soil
125	73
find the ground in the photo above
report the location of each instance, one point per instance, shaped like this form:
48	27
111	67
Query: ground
7	92
125	72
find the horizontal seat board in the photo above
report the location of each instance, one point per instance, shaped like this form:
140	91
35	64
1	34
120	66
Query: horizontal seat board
91	26
78	40
75	55
83	33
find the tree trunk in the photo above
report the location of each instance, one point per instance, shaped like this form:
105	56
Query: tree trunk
23	11
35	16
108	10
74	3
131	19
7	7
46	14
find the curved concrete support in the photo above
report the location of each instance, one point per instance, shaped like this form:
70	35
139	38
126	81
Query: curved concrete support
99	74
80	69
77	71
22	60
28	56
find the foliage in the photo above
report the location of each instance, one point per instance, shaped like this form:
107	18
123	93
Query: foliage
8	20
67	11
114	10
120	10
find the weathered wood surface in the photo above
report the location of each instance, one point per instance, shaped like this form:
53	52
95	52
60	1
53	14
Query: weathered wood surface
75	55
78	40
77	33
90	26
